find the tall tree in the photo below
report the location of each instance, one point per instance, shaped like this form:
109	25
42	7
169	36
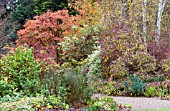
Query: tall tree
42	6
161	6
24	10
144	7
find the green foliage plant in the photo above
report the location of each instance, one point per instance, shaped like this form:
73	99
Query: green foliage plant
69	84
154	79
162	93
6	88
150	91
34	104
136	86
83	38
78	91
52	101
21	70
52	86
49	78
23	104
105	104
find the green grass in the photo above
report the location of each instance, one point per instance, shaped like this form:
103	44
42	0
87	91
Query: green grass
161	109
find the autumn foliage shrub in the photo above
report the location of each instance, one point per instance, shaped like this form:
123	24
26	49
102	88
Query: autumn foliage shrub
123	54
89	10
113	43
109	49
160	51
45	32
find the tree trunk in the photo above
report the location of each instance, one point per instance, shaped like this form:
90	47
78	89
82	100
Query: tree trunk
161	6
144	6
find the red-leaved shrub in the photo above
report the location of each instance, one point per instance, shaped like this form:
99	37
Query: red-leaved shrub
45	33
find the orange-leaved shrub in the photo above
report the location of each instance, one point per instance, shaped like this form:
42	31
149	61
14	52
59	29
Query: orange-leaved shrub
45	33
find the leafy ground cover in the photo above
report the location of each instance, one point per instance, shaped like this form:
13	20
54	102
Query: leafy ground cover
40	103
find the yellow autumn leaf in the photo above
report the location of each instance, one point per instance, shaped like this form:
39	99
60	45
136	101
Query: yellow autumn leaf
6	80
49	106
142	47
73	61
131	62
37	106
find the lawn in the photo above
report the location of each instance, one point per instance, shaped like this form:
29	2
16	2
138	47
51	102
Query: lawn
161	109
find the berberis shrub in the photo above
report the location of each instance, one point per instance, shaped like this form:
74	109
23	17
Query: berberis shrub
21	70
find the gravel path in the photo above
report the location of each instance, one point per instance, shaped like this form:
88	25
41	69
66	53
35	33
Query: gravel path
141	102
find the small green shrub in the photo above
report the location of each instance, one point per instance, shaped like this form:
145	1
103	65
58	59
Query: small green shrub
150	91
70	84
21	70
75	81
162	93
136	85
50	78
51	84
56	101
